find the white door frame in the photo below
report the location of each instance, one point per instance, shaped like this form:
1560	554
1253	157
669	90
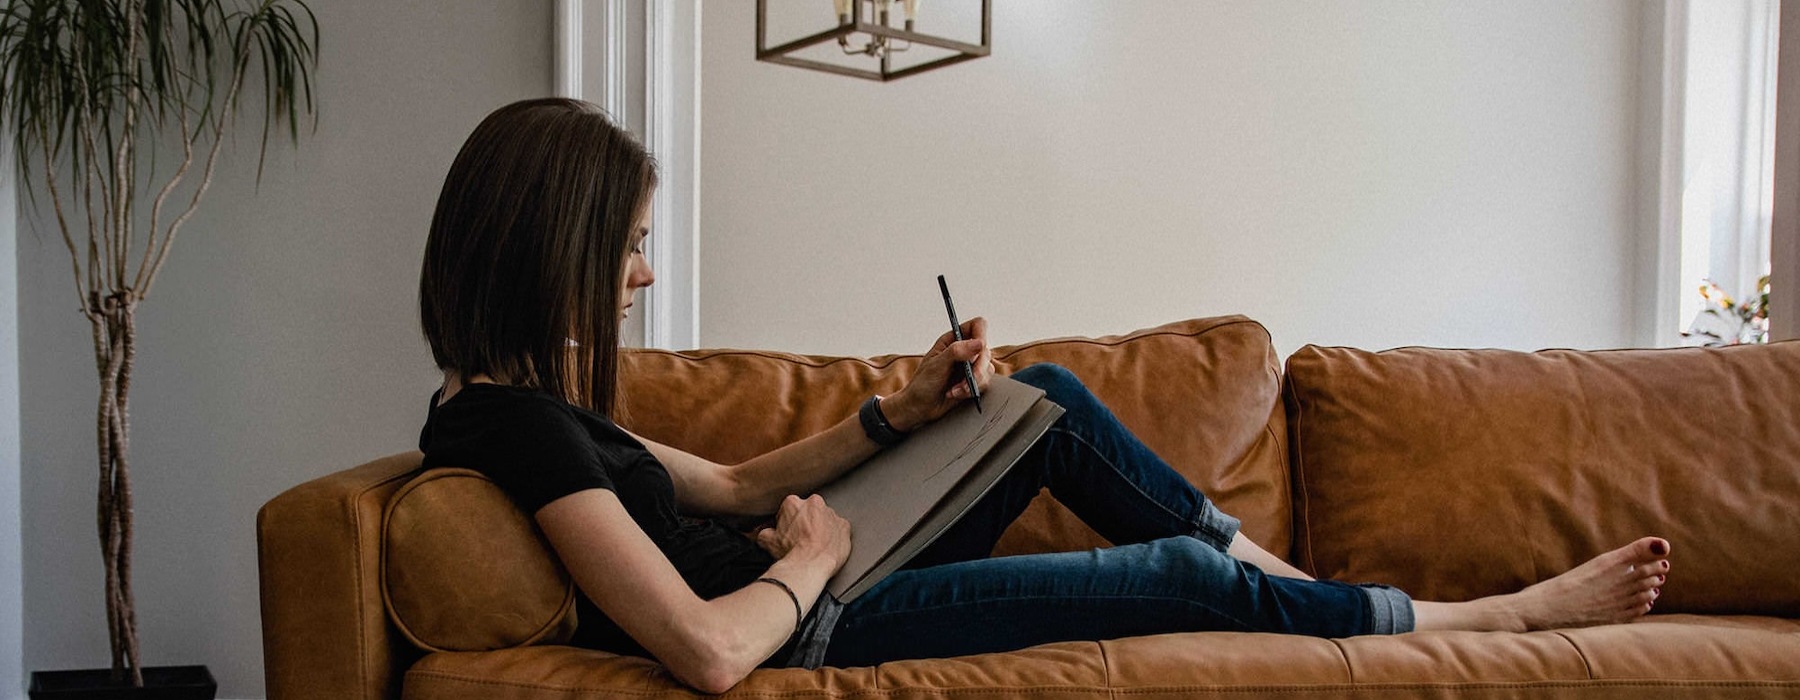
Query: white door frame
1784	284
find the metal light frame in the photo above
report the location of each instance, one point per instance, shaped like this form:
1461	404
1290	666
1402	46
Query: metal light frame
779	54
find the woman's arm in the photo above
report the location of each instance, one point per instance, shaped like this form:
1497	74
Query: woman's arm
757	486
707	644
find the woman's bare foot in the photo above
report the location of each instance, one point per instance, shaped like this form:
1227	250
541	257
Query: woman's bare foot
1617	586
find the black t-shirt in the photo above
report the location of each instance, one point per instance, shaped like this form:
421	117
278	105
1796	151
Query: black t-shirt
538	449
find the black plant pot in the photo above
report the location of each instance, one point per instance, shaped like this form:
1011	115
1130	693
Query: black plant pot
160	683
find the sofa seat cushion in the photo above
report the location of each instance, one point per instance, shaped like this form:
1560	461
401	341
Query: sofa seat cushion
1456	474
1696	656
1072	670
1700	656
1205	394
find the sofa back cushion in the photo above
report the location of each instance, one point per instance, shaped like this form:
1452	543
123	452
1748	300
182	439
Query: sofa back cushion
1204	394
1455	474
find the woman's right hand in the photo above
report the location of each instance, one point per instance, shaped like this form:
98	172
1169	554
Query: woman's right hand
806	526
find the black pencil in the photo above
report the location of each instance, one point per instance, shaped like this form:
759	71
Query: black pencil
956	330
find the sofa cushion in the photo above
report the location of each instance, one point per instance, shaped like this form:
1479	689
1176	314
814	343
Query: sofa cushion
1679	655
1072	669
1456	474
1204	394
464	570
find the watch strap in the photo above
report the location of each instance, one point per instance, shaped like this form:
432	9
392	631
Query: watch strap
876	426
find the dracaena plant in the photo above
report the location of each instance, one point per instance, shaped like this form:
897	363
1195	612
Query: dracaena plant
91	90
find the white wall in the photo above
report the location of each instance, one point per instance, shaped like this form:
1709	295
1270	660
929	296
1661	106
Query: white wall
280	344
1370	174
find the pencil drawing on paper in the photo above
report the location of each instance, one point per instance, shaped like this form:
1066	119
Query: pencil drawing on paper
995	418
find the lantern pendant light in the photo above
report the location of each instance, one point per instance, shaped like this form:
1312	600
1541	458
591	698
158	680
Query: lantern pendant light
865	28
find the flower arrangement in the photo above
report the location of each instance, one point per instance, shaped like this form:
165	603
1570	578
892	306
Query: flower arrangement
1726	321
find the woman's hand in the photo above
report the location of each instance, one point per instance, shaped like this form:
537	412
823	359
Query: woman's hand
808	527
938	386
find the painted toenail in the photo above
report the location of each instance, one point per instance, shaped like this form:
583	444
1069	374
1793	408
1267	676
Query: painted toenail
1658	548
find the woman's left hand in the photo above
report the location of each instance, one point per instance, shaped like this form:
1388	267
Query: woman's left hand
938	385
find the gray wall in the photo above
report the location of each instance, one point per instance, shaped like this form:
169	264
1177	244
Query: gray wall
1370	174
12	575
280	344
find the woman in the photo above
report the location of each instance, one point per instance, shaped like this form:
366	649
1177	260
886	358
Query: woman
535	253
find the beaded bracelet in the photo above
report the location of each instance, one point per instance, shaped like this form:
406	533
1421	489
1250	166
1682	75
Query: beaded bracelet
791	596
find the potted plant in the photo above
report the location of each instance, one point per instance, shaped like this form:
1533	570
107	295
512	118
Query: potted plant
90	89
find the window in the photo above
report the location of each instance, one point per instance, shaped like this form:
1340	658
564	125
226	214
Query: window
1717	154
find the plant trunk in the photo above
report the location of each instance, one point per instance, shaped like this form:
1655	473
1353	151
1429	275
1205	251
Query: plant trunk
115	337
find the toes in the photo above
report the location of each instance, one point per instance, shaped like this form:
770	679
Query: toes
1645	552
1629	554
1640	603
1649	570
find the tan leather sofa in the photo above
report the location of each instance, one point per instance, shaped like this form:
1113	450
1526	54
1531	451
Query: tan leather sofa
1451	473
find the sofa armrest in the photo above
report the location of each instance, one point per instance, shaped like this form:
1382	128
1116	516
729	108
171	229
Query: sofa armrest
325	629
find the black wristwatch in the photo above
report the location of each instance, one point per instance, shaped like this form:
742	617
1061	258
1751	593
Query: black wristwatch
876	426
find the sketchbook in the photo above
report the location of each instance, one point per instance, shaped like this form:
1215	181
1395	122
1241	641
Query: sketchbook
900	501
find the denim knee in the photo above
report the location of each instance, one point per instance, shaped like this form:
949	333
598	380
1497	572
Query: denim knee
1197	561
1059	385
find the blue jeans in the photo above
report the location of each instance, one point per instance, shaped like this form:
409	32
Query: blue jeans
1167	573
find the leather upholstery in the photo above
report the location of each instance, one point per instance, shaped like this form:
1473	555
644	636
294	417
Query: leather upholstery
1616	661
1205	394
325	629
1455	474
464	570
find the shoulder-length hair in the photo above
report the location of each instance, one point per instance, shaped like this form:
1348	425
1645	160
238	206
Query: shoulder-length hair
524	265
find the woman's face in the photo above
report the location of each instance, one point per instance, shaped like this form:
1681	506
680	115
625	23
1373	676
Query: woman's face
637	268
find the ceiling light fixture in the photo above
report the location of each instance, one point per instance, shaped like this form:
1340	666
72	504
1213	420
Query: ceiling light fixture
864	28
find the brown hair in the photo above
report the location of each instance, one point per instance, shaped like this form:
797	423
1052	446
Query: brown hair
528	248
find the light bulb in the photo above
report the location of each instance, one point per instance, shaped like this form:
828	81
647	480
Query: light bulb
843	10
